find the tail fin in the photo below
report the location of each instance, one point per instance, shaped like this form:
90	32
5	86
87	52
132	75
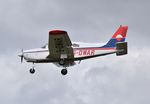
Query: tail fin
119	36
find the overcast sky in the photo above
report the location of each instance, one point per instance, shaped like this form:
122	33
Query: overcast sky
24	24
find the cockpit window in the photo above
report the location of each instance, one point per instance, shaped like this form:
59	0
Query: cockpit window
44	46
75	45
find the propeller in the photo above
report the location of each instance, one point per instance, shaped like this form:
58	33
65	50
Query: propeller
21	55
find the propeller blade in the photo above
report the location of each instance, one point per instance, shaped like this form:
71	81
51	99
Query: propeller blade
21	55
21	58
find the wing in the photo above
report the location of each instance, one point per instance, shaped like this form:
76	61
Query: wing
59	45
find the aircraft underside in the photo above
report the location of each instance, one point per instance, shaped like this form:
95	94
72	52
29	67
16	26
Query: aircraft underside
79	54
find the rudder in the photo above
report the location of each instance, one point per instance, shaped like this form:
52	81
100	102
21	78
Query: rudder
119	36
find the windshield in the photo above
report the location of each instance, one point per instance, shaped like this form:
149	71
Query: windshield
75	45
44	46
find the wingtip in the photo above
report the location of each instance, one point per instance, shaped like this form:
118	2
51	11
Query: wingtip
57	32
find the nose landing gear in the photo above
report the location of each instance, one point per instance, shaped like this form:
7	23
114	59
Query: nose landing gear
32	70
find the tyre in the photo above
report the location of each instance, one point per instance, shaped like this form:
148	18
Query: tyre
64	71
32	70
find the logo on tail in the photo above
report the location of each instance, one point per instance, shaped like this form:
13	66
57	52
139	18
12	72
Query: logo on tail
119	36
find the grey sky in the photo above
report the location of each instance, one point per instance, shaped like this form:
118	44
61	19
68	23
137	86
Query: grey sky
106	80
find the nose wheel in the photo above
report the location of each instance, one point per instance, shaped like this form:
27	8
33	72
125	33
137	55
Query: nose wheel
64	71
32	70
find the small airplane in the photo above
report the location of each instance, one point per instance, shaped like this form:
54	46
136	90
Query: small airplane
63	53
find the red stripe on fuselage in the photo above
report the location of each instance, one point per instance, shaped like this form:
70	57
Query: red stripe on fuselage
89	51
95	48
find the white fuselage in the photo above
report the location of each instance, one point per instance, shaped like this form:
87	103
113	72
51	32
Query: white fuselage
82	50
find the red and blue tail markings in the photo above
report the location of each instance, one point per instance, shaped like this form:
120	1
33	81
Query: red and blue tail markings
119	36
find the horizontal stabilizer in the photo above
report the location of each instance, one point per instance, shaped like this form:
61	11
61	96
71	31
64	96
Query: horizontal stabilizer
122	48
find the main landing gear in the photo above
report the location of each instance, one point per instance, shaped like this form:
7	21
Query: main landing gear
64	71
61	62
